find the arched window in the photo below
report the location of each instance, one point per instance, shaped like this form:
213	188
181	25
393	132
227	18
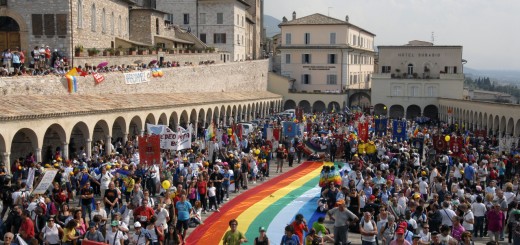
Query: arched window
410	69
157	26
112	23
120	26
104	21
93	18
80	13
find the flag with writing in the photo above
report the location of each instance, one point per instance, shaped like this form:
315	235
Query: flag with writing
289	129
380	126
363	130
399	130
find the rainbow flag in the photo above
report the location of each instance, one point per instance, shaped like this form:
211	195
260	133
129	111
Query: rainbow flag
72	83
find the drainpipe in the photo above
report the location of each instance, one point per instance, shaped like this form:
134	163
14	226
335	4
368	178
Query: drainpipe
197	16
71	37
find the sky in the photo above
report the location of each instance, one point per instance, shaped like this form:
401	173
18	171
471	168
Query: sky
488	30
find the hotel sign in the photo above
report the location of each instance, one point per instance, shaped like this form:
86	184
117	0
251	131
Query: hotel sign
319	68
419	55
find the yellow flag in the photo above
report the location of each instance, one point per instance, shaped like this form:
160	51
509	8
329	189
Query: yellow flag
72	72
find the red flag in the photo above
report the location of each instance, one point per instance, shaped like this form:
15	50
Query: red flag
276	134
150	149
439	143
456	146
98	78
363	131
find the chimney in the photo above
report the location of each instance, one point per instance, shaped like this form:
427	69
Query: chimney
346	18
284	19
293	15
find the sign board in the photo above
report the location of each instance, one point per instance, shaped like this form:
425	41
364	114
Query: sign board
137	77
46	181
149	149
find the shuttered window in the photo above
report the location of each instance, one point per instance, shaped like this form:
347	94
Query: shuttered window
50	25
37	24
61	24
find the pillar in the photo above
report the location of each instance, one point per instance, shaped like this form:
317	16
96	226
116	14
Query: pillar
38	154
88	147
195	127
125	138
141	133
6	159
65	150
108	145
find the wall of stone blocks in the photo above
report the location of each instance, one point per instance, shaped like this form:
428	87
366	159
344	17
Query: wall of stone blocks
133	59
226	77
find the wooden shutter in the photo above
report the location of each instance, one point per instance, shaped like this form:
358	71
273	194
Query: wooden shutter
37	24
50	25
61	24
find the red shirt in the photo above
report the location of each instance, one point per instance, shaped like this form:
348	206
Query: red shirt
298	230
28	227
202	187
143	213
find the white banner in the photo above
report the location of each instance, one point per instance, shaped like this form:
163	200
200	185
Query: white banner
137	77
46	181
170	140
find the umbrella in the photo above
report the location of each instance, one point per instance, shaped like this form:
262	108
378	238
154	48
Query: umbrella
153	61
102	64
138	62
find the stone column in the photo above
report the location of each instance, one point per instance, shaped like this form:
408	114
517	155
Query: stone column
65	150
6	159
38	154
141	133
108	145
195	126
88	147
125	138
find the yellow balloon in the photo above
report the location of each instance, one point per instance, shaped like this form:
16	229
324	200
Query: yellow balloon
166	184
447	138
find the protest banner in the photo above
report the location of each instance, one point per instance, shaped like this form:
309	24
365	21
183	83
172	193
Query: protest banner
98	78
169	139
137	77
149	149
46	181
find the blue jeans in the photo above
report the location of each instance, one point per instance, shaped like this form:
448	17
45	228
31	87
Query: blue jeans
85	209
479	226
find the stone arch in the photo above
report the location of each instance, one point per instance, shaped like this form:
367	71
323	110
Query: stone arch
431	112
209	117
163	119
333	105
305	105
216	116
485	124
503	125
396	111
201	120
360	99
238	115
319	106
100	132
380	109
119	132
233	115
183	120
135	127
227	116
479	121
22	25
491	127
517	129
174	121
496	125
79	137
510	127
413	111
54	138
289	104
250	111
193	118
24	142
150	118
3	148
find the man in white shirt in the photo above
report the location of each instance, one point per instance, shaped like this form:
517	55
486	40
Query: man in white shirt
114	235
447	214
163	217
140	237
423	188
104	179
468	218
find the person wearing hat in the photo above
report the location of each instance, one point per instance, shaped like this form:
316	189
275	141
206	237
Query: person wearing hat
93	233
400	240
114	235
262	238
341	217
141	236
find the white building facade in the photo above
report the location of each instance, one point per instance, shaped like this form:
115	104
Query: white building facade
412	78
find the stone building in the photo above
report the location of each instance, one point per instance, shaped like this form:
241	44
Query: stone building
233	26
413	77
95	24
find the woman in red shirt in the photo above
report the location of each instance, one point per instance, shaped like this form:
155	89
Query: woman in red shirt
202	187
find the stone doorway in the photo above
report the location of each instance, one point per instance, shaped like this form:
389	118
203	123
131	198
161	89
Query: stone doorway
9	33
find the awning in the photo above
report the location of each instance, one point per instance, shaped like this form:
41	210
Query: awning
173	39
133	42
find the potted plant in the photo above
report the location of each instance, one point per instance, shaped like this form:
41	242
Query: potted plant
159	48
119	51
108	52
79	51
142	51
132	51
93	51
152	50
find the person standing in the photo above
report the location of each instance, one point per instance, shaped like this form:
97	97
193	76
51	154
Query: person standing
183	215
87	194
27	228
233	236
262	239
280	156
299	226
7	56
368	230
50	233
495	218
111	198
341	217
114	235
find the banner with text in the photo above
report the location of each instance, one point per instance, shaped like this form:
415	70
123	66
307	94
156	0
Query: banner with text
46	181
171	140
149	149
137	77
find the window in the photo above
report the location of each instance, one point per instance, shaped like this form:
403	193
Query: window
410	69
306	58
332	59
186	19
238	20
202	18
61	27
307	38
332	79
288	38
287	58
396	91
103	21
386	69
220	18
355	40
219	38
112	23
238	39
120	26
169	18
431	91
37	24
450	69
242	21
414	91
306	79
50	27
332	38
157	26
80	13
93	18
203	37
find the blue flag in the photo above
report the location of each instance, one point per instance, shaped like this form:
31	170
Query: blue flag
289	129
399	130
380	126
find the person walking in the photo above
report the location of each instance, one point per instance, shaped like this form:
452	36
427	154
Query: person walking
340	215
233	236
368	230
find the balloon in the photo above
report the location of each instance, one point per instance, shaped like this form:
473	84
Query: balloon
384	107
166	184
447	138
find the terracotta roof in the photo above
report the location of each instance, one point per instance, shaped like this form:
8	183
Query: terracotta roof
44	106
319	19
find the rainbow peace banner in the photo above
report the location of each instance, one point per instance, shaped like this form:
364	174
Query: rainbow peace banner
273	205
72	83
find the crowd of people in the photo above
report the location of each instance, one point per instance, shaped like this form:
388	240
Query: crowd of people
388	191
